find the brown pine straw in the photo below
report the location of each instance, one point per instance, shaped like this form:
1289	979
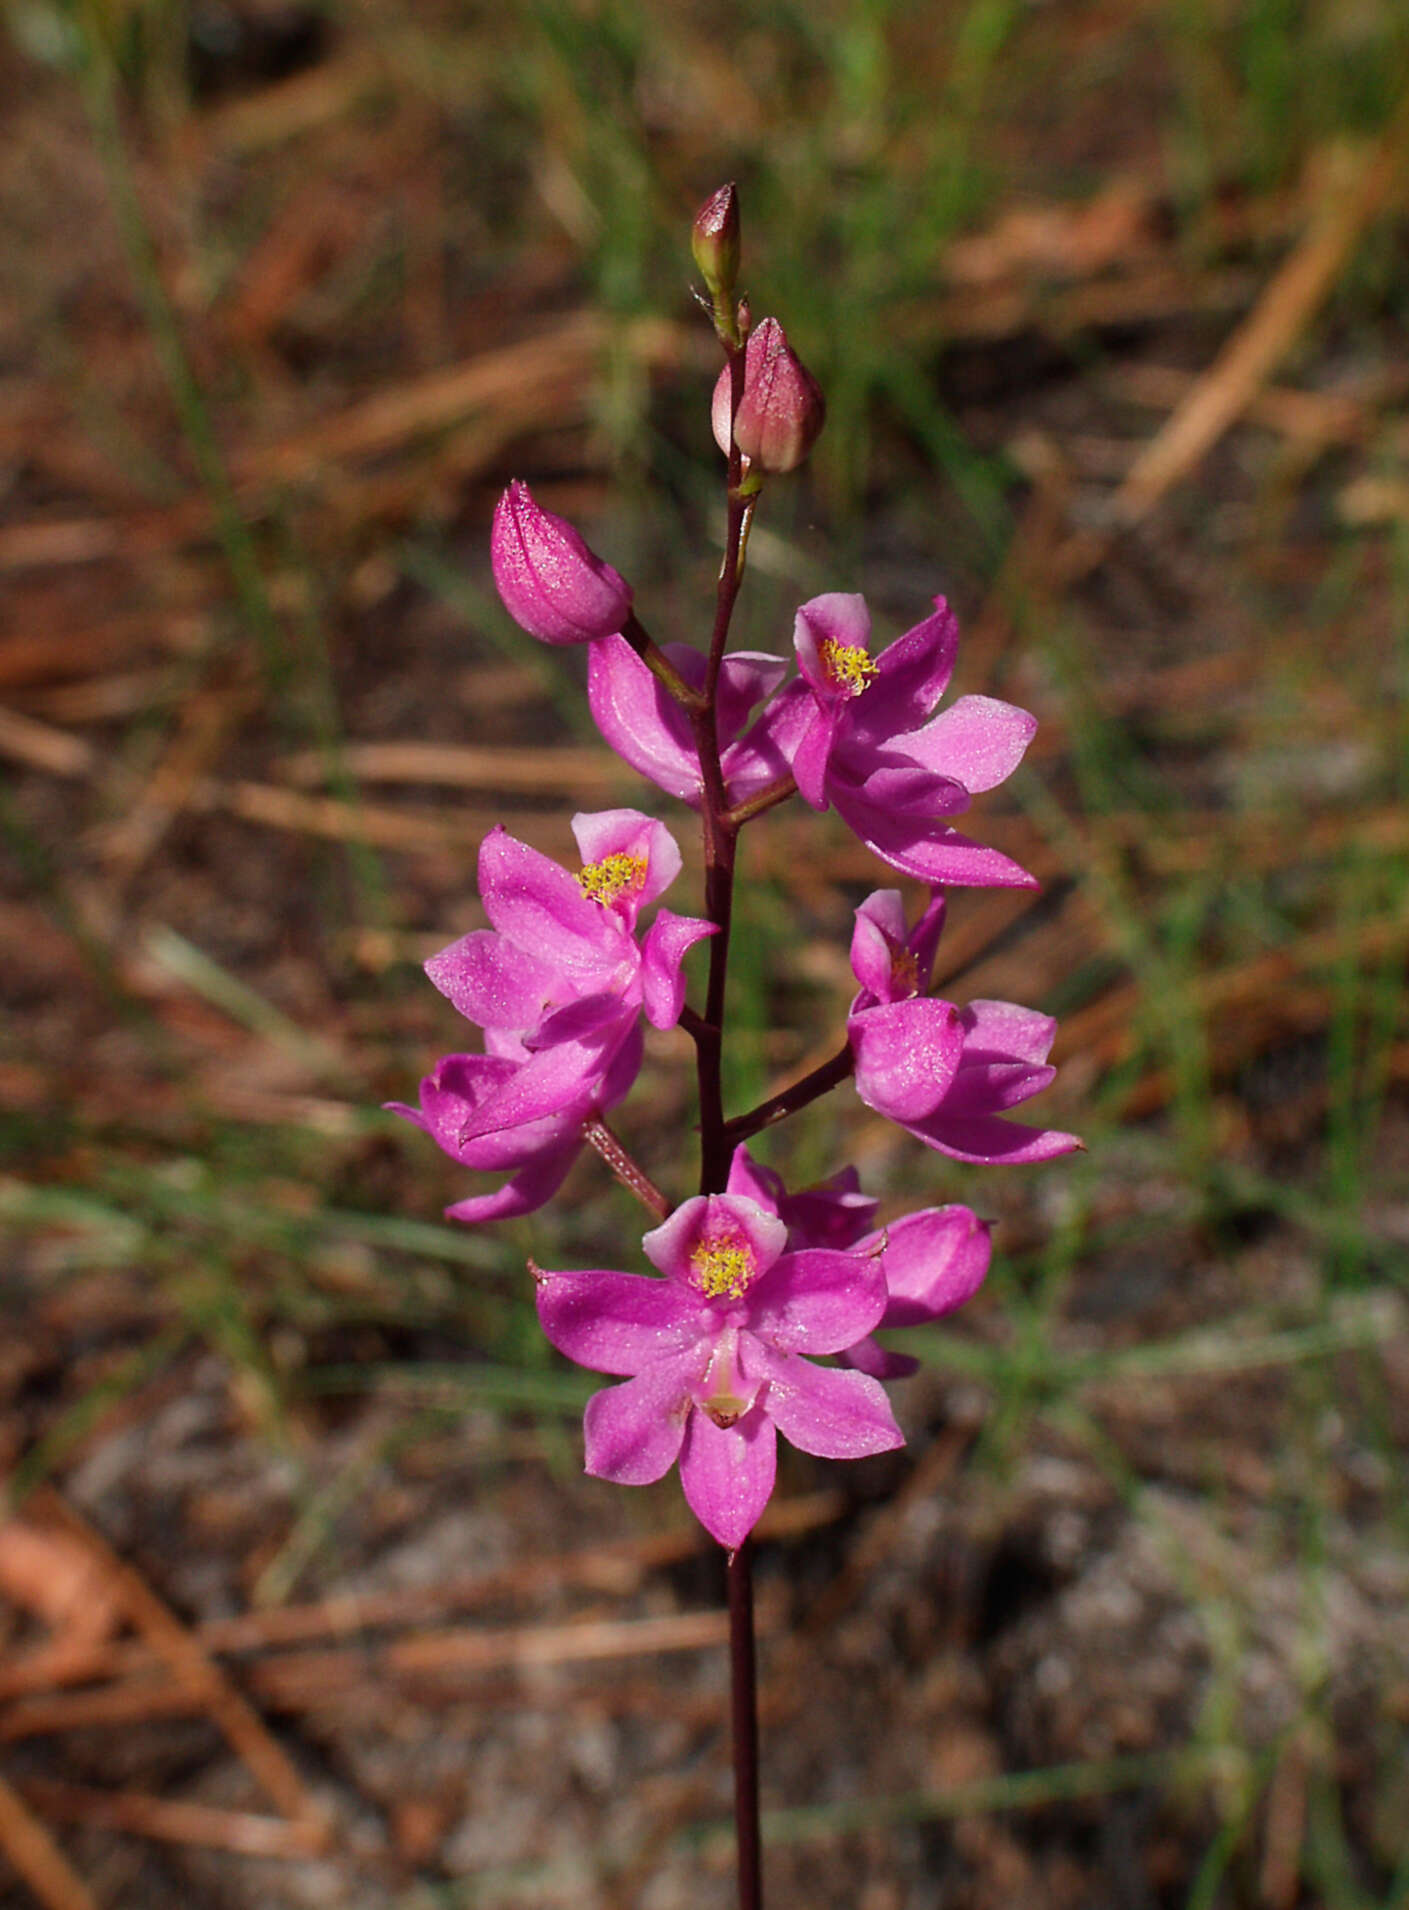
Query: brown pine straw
175	1821
38	1858
194	1669
616	1569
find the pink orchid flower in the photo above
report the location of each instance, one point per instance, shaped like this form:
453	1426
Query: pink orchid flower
560	979
859	735
537	1153
714	1358
932	1261
947	1075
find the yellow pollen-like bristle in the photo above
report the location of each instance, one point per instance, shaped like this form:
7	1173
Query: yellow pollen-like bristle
723	1269
847	664
614	875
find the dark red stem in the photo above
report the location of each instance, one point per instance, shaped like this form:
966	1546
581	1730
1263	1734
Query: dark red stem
743	1685
810	1088
720	835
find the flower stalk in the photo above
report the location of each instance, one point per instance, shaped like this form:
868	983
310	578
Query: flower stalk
760	1316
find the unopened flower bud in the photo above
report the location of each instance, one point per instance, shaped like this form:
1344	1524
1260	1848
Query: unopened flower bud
782	409
551	583
714	240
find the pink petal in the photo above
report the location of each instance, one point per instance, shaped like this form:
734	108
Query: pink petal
616	1322
640	720
989	1141
932	1262
714	1217
838	616
869	1356
835	1213
924	937
906	1053
634	1431
1001	1030
590	1022
750	1178
451	1098
813	753
727	1473
746	677
992	1087
876	939
531	1188
539	906
544	1085
667	942
817	1300
926	847
911	676
493	983
827	1410
977	740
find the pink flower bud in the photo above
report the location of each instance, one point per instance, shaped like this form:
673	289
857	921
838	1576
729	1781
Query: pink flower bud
714	240
551	583
782	409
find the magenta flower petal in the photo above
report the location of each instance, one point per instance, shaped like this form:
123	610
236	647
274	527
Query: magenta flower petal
543	1085
760	1184
539	907
616	1322
1002	1030
818	1300
988	1141
869	1356
906	1053
932	1262
639	719
911	676
930	851
746	677
923	939
878	937
634	1431
978	741
827	1410
715	1224
835	1213
664	947
531	1188
727	1473
451	1096
491	982
813	755
551	584
590	1021
832	638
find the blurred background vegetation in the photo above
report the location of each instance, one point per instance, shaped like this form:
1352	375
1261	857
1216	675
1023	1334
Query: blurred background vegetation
1108	300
